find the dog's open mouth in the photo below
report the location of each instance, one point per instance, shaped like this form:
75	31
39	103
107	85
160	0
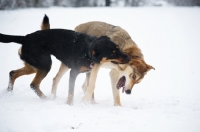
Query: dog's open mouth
121	83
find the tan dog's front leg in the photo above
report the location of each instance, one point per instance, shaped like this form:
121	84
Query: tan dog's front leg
116	94
63	69
91	85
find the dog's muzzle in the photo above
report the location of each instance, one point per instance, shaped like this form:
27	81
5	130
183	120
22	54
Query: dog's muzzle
128	91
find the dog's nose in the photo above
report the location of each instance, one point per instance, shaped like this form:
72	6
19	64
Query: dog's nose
127	59
128	91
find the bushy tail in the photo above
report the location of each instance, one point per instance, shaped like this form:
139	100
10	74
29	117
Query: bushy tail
10	38
45	23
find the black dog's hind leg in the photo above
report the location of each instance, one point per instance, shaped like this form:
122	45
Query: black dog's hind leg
26	70
42	67
72	79
35	85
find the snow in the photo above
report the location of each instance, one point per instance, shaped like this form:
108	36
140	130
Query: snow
167	100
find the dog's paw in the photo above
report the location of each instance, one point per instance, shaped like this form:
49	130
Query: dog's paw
69	102
43	97
52	97
86	99
115	104
92	101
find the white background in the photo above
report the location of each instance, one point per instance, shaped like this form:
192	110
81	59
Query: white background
167	100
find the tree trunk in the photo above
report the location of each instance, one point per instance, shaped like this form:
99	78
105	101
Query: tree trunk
108	2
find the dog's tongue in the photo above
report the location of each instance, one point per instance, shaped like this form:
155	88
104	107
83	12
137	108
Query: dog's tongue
91	65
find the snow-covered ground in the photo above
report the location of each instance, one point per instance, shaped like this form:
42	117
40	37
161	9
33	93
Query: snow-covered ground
167	100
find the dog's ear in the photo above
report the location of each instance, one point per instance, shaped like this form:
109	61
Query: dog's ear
141	66
149	67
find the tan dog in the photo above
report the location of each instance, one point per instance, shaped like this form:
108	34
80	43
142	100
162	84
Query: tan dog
124	76
138	66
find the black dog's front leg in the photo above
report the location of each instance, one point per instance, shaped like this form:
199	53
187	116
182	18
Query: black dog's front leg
72	79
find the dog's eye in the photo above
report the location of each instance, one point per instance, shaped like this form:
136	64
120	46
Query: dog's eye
134	76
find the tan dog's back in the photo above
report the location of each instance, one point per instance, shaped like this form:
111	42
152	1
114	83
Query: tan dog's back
122	39
116	34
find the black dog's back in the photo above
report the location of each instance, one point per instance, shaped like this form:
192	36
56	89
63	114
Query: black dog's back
66	45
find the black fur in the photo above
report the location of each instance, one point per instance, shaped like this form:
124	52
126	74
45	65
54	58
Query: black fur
75	50
46	20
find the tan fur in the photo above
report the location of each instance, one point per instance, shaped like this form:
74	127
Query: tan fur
26	70
45	26
119	36
63	69
116	34
86	83
84	69
115	91
92	81
35	85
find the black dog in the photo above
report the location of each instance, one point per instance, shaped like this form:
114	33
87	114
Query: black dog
77	51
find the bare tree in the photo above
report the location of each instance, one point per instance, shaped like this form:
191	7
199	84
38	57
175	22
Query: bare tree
185	2
108	2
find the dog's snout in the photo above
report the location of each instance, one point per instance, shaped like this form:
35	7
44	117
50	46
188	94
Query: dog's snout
128	91
127	59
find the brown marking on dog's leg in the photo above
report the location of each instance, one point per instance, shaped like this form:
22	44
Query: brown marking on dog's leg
26	70
63	69
84	69
116	94
92	81
35	85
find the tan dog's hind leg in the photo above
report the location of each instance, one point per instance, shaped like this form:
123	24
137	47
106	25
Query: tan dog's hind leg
92	81
63	69
26	70
116	94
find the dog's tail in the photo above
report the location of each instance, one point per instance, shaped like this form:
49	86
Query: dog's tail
10	38
45	23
